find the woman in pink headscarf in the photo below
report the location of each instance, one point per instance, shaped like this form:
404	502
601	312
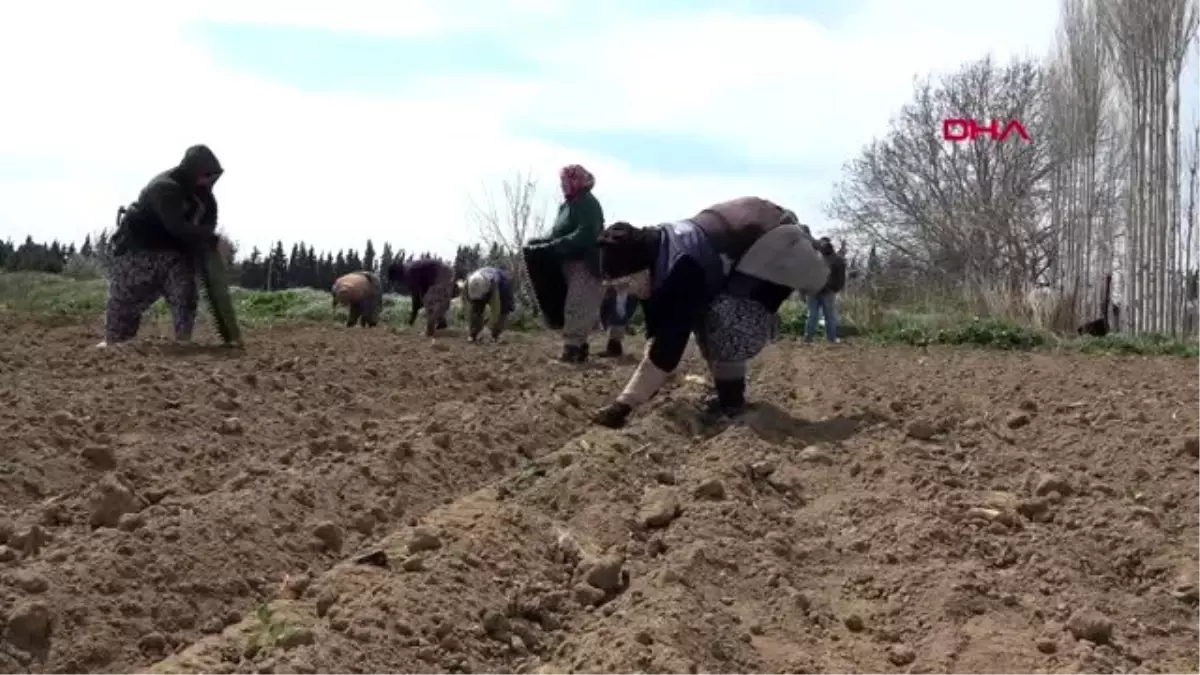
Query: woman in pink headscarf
573	242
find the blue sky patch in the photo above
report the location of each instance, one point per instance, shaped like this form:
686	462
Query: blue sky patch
671	153
828	14
327	61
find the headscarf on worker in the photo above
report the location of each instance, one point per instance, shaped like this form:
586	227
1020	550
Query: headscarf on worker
571	254
721	275
488	289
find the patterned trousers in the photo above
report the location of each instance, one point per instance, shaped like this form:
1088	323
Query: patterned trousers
582	310
733	331
137	279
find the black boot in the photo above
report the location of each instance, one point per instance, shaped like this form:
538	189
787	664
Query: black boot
613	349
581	354
730	399
570	354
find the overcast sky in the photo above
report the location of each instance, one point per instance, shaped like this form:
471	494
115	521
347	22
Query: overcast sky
355	119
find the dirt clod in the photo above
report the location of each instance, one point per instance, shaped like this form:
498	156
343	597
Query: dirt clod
712	489
921	429
330	536
110	499
1090	625
99	457
423	539
29	627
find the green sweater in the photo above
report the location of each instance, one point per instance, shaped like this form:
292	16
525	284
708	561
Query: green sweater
577	228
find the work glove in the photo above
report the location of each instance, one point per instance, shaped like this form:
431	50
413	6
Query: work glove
614	415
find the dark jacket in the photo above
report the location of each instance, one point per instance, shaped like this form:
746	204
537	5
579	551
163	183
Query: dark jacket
577	228
837	274
172	212
419	277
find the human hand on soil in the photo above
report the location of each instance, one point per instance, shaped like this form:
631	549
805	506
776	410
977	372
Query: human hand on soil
614	415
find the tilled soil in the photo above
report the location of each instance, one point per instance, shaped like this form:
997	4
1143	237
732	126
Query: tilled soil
343	500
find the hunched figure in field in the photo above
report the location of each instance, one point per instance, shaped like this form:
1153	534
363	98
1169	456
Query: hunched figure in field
721	275
572	242
362	293
616	310
430	283
157	245
488	290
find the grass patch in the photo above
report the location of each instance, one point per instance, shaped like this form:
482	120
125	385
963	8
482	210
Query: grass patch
61	299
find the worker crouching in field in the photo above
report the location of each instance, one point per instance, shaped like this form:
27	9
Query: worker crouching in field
616	311
430	283
158	246
362	293
572	246
679	270
488	290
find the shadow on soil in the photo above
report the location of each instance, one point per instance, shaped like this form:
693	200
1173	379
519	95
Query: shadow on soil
768	421
177	350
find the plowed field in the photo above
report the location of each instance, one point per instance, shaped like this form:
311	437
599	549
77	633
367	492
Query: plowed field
338	500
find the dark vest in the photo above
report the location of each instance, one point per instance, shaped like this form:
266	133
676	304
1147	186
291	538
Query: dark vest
685	239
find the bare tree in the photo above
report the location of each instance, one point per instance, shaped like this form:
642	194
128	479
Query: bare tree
1080	215
1148	40
507	220
955	212
1099	194
1189	232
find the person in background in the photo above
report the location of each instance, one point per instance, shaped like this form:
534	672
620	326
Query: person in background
362	293
615	312
679	270
158	244
573	240
488	288
824	301
430	284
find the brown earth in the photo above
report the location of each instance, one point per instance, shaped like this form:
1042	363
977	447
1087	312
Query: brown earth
343	500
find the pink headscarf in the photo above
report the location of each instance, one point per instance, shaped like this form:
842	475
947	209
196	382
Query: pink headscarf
575	179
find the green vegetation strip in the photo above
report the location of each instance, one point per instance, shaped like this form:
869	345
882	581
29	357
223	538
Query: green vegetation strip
59	299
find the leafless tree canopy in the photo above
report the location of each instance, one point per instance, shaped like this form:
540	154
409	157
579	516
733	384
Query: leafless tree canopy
955	211
1099	191
507	220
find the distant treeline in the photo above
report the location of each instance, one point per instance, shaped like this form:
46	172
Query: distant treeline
301	266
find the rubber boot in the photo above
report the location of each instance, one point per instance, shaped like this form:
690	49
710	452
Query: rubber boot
581	353
570	354
730	399
613	349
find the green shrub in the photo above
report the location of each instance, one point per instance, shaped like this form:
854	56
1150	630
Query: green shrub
978	332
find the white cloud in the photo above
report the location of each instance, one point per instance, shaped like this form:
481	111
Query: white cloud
105	99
